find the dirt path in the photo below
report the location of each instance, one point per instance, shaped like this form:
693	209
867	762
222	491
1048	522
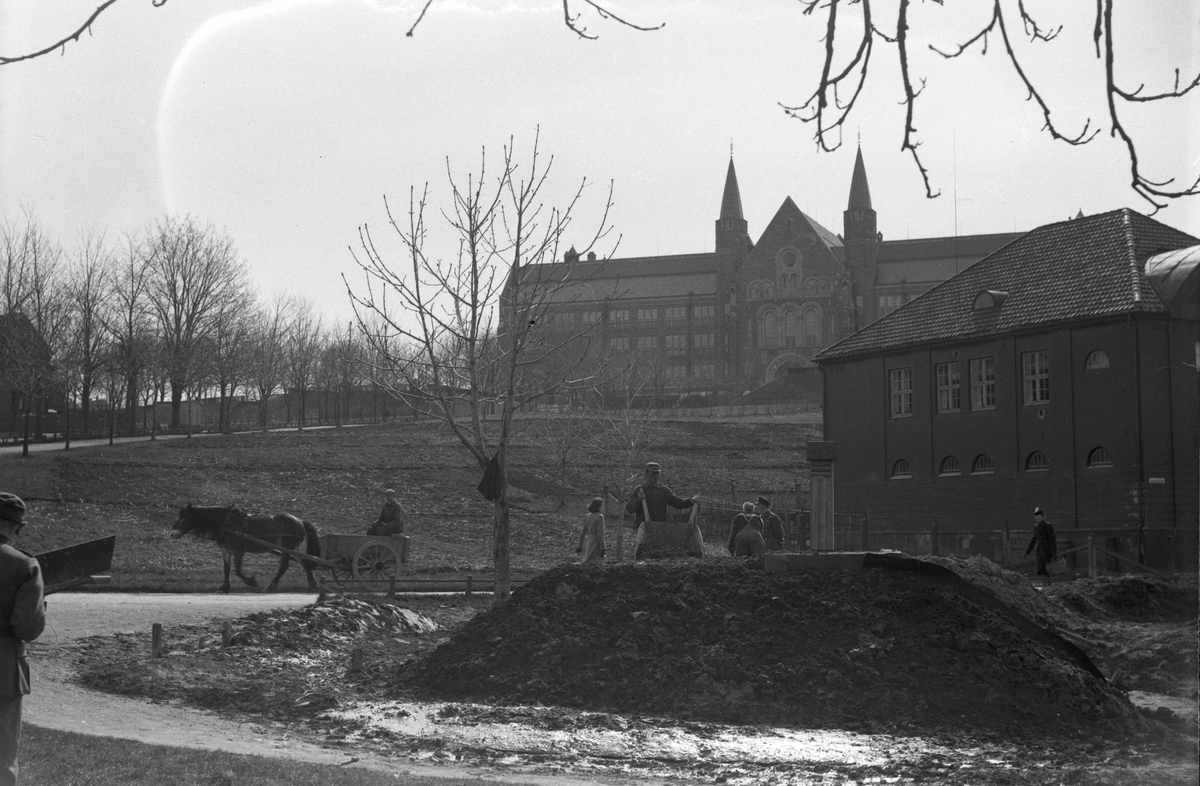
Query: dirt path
58	703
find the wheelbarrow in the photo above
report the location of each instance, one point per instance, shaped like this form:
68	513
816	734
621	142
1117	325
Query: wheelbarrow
665	539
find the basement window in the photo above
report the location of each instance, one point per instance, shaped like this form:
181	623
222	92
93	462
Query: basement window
982	465
902	469
950	466
1037	461
1099	457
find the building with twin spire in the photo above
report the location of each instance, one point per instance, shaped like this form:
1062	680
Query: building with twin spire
709	327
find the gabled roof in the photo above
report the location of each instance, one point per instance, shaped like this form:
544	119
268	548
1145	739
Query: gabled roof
776	230
1082	269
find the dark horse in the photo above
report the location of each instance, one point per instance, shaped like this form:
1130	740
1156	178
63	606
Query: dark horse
225	525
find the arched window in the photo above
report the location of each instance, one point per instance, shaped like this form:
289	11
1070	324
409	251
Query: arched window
1096	359
1037	461
1099	458
950	466
812	328
901	469
982	465
791	327
768	328
754	291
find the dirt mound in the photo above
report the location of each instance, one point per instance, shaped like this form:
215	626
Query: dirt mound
1009	587
724	641
1128	598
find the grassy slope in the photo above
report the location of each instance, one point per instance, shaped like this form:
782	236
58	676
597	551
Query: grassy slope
334	478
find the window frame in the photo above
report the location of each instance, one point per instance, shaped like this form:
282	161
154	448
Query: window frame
1041	467
949	391
982	464
1097	462
1035	377
900	399
949	467
983	385
1097	359
901	469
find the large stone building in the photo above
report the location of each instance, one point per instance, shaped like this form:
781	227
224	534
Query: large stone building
1060	371
712	326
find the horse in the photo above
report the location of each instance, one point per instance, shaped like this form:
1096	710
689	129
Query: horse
225	525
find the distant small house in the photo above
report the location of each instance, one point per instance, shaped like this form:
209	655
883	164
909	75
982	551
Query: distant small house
1059	371
25	373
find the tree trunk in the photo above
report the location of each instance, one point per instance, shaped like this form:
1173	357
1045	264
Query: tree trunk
502	534
176	403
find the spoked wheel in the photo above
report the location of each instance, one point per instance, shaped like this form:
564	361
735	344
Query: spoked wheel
375	564
341	574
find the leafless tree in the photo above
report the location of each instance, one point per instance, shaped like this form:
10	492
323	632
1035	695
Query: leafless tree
302	342
267	354
195	276
231	352
441	344
89	291
129	320
848	62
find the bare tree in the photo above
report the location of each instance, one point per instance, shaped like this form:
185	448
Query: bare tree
443	348
302	342
129	321
231	354
267	354
195	276
848	63
89	291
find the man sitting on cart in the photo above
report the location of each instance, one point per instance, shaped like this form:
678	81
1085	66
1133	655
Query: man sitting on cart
391	518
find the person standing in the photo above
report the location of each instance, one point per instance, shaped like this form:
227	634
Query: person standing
1044	540
740	522
391	518
22	619
772	528
657	497
591	540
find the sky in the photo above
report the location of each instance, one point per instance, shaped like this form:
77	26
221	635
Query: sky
285	123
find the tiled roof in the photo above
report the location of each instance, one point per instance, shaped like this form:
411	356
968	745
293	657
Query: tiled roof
1089	267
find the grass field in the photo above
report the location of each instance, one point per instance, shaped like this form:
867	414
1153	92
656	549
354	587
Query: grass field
335	478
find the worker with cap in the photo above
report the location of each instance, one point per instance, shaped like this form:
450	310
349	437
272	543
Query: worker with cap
1045	541
22	619
772	528
391	518
657	497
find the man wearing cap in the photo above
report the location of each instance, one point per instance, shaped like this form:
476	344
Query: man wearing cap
1045	540
657	497
772	529
22	618
391	518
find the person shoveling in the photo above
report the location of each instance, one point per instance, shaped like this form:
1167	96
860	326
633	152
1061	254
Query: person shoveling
649	503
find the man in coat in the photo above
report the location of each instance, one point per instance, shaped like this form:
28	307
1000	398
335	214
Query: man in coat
391	518
655	497
22	619
772	528
1044	540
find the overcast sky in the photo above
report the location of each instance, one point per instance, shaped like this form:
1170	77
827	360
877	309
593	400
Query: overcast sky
285	123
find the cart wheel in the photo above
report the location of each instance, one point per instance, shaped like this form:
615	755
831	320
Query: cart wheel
341	574
377	563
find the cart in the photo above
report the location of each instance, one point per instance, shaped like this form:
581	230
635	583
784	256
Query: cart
356	563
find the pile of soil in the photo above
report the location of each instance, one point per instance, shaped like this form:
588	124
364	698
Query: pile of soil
724	641
1129	598
1010	587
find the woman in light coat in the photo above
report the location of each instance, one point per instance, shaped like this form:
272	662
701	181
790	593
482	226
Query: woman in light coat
591	539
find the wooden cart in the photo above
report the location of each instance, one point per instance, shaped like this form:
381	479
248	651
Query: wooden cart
356	563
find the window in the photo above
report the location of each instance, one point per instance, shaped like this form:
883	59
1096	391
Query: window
812	328
704	340
560	318
989	298
889	303
982	465
676	372
676	313
770	330
647	314
619	316
950	466
1096	359
900	384
619	344
949	389
1036	370
983	383
791	326
704	312
1099	458
703	370
676	344
901	469
590	317
1037	462
647	343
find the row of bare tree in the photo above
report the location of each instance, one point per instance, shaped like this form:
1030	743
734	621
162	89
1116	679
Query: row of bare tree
166	313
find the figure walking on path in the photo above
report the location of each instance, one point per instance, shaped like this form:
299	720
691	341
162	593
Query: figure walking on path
1044	540
391	518
22	619
591	540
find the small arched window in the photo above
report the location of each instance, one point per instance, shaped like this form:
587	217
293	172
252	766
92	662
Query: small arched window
1096	359
902	469
812	328
950	466
982	465
1037	461
1099	457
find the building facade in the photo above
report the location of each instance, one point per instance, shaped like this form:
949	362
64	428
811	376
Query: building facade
1060	371
713	326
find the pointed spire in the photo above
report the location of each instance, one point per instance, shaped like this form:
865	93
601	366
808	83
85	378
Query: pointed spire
731	201
860	192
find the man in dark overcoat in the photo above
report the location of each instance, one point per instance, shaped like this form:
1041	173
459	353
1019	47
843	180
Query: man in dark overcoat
22	619
1044	540
391	518
657	497
773	533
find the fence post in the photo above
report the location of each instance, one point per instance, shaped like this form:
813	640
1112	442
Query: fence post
469	582
1092	555
933	539
865	531
1004	546
156	640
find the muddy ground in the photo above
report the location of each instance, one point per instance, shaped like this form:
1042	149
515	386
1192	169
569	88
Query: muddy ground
713	671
